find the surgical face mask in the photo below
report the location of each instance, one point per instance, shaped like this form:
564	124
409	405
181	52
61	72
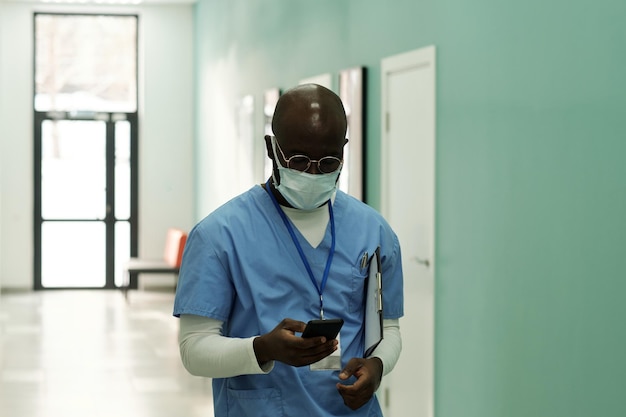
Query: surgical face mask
303	190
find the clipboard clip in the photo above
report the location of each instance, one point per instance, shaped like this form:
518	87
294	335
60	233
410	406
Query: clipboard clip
379	291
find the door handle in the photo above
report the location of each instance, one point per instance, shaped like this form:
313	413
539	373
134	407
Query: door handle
421	261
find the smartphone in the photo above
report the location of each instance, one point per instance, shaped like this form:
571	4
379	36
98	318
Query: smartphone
327	328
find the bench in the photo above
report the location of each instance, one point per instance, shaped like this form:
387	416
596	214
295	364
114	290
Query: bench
170	263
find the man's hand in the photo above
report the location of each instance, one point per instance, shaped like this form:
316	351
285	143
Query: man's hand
368	373
281	344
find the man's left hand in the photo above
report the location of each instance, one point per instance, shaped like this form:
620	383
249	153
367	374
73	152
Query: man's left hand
368	373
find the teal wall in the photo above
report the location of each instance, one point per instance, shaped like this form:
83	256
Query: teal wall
531	177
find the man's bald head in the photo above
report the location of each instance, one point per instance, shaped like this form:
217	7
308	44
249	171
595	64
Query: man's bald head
309	108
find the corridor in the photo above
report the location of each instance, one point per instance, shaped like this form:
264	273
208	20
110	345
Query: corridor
90	353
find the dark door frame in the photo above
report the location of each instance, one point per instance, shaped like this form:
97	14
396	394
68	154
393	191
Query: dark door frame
110	119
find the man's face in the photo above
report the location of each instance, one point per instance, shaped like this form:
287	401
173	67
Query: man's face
309	133
310	122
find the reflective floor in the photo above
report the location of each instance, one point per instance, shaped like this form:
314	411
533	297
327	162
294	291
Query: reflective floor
90	353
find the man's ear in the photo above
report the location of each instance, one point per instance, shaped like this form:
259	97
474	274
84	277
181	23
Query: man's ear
268	147
270	155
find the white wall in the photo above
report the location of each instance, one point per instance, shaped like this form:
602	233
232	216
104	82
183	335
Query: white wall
2	122
165	129
233	172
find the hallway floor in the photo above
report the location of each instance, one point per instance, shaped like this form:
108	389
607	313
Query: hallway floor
90	353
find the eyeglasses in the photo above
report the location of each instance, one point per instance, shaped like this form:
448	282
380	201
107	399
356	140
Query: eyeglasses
325	165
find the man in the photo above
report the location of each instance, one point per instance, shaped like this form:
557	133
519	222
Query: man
293	249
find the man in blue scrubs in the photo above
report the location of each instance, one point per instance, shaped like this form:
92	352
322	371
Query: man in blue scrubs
285	252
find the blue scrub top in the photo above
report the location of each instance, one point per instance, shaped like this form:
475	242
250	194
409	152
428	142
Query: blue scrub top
241	266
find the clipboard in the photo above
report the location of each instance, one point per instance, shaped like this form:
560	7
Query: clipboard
373	305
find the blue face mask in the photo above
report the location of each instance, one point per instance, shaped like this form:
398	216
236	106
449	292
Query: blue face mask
303	190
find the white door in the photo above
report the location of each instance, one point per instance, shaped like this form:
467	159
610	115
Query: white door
407	202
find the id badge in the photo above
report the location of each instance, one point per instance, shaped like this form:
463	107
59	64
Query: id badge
331	362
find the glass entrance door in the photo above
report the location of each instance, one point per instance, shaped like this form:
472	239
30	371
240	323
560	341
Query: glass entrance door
73	203
84	213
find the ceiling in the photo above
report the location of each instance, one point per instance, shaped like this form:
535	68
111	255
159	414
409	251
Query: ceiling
101	2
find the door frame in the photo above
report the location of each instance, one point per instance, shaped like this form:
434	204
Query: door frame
420	59
109	119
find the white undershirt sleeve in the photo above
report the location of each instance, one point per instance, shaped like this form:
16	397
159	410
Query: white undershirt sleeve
205	352
388	350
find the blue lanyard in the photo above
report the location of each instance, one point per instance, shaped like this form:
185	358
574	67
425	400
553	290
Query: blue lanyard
320	289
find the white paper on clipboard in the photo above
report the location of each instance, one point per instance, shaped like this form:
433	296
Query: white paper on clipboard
373	305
